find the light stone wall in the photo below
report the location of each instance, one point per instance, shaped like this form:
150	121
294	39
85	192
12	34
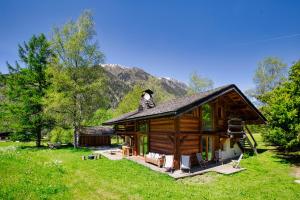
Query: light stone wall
228	152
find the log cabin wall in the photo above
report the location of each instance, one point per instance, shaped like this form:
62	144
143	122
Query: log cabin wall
189	136
189	123
161	143
86	140
165	137
191	132
162	125
190	144
161	135
185	133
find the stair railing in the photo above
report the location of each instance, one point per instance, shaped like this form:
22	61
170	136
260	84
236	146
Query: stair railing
253	146
249	132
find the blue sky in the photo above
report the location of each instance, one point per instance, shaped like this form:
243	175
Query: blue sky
221	40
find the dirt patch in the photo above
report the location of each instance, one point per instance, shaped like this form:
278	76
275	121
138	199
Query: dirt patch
296	171
199	179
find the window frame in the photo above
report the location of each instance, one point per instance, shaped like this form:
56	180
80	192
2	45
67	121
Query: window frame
203	123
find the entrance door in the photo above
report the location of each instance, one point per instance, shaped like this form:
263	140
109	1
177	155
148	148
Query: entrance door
207	147
143	145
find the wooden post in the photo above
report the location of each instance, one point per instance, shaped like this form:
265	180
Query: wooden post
176	144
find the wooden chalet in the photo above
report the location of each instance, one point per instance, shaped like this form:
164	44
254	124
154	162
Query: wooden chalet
95	136
192	124
4	135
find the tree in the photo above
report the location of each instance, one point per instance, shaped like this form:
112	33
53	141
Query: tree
78	85
282	110
270	73
101	115
25	88
199	84
4	124
130	102
160	94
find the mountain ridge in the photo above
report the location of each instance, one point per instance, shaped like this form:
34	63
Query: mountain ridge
122	79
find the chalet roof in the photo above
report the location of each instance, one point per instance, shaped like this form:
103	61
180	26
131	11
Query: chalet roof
97	130
180	105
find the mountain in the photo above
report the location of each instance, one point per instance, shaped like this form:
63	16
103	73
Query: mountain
122	79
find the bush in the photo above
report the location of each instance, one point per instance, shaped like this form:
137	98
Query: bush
282	109
276	136
21	136
65	136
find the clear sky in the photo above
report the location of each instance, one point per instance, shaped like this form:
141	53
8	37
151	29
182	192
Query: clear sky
222	40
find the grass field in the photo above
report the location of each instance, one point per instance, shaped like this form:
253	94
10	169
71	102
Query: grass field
30	173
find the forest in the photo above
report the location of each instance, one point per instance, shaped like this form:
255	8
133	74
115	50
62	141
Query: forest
59	86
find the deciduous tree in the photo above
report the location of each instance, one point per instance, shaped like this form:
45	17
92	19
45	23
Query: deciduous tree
271	72
130	101
199	84
78	84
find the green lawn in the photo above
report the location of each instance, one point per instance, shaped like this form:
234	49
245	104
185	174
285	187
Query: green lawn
30	173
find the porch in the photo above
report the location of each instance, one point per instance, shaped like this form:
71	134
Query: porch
225	168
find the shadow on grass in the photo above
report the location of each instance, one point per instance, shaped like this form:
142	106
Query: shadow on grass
250	153
262	150
68	147
292	158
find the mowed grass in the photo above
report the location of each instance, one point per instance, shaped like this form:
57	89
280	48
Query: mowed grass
30	173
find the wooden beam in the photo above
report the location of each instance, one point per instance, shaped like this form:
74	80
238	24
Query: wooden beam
177	144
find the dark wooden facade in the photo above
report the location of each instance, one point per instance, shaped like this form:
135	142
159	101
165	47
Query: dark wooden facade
183	134
95	136
4	135
94	140
190	125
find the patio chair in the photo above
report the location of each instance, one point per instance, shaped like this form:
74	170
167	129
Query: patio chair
169	163
236	163
200	160
185	163
218	156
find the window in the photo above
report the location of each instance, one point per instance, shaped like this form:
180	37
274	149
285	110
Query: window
207	117
143	127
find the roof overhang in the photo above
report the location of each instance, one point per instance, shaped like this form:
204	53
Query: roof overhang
193	105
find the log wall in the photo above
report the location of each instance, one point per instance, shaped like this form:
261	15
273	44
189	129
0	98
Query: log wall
161	142
189	124
161	125
190	145
94	140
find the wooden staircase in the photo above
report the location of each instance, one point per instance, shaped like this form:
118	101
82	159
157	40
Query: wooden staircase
237	129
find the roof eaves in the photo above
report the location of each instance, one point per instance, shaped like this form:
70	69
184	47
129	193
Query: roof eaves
205	99
250	104
215	95
171	113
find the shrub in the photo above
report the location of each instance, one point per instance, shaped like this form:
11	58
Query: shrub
21	136
64	136
282	110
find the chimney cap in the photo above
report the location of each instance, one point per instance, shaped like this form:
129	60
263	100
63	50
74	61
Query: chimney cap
148	91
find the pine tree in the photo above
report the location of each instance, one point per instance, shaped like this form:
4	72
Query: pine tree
26	87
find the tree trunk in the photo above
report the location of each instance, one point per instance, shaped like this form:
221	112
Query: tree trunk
75	137
38	136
